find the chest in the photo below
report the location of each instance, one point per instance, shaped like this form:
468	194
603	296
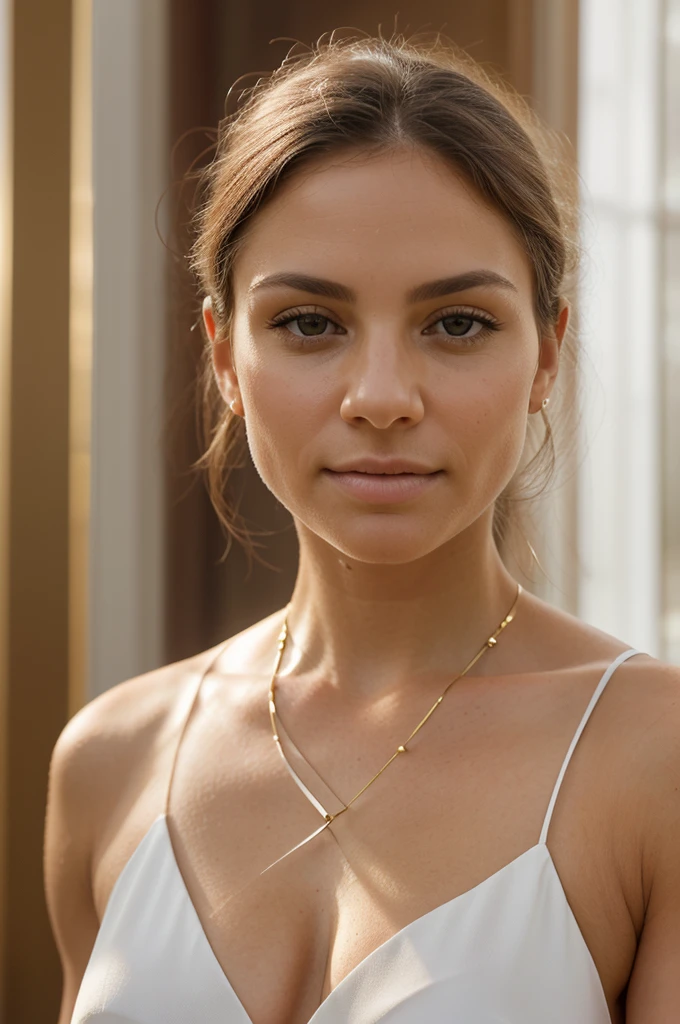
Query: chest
447	835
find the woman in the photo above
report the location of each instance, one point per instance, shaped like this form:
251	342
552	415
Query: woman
418	792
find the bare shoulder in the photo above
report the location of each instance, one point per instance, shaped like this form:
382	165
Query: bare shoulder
648	695
645	707
643	698
110	738
103	758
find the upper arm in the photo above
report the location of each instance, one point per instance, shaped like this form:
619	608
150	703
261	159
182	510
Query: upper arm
654	987
67	852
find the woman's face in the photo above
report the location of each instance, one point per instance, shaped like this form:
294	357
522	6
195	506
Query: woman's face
382	309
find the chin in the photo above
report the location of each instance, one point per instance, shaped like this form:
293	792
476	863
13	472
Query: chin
384	539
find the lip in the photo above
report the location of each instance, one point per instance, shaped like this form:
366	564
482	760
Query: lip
374	464
388	488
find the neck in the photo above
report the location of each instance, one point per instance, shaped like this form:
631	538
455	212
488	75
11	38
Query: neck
370	628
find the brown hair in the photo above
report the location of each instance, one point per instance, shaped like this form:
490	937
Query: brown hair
377	94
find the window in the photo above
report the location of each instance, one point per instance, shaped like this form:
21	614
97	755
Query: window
629	491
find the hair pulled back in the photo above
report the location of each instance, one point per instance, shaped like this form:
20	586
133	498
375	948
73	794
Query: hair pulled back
372	95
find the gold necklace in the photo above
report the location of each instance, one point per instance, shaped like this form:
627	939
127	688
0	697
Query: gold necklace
403	747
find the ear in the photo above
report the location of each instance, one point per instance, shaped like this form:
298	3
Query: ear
548	361
222	361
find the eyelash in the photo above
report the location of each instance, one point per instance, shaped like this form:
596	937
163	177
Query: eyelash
488	323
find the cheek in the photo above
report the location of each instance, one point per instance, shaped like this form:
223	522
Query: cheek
486	417
286	410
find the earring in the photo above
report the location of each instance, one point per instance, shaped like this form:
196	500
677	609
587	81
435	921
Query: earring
544	403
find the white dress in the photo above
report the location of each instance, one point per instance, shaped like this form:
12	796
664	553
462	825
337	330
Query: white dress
508	951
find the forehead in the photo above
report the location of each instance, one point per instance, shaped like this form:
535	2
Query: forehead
393	219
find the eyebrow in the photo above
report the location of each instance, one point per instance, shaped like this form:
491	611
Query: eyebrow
460	283
423	292
305	283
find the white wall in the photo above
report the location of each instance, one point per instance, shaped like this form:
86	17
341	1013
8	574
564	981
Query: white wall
619	482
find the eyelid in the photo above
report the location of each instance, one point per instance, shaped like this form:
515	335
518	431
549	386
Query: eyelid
286	315
462	310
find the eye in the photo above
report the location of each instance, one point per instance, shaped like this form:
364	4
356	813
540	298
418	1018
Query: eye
309	325
463	324
305	324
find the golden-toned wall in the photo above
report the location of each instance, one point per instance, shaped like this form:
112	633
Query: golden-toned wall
36	497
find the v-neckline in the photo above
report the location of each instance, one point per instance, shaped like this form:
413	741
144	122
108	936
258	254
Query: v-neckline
379	950
363	965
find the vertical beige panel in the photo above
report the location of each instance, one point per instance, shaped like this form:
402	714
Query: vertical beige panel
669	358
554	62
130	168
80	349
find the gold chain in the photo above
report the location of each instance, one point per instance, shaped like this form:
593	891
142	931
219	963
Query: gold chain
403	747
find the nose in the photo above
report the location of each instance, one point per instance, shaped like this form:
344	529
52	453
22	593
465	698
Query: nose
383	383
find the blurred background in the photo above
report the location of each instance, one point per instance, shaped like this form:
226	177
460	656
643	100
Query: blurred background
109	549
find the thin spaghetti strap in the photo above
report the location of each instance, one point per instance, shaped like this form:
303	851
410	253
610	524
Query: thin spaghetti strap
577	735
187	715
